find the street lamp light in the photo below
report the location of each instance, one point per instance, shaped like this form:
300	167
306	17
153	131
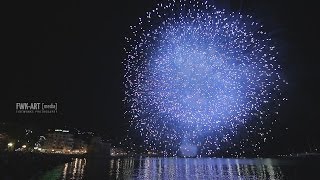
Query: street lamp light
10	144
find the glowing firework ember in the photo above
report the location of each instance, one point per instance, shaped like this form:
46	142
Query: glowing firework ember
199	80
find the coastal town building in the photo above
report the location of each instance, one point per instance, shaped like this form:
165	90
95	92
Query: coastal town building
62	141
98	148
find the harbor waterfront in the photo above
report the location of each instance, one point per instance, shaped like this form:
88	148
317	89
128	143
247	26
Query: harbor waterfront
28	165
185	168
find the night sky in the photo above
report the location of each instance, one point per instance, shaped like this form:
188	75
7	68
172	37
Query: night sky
70	52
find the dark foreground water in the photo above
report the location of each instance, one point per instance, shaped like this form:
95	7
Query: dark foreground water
186	168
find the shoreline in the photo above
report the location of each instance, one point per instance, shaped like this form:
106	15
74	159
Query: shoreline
27	165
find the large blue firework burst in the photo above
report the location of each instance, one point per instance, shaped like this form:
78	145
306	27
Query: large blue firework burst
199	80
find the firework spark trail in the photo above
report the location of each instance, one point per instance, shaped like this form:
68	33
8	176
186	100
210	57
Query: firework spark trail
196	75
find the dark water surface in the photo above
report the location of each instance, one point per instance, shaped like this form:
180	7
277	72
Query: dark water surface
186	168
